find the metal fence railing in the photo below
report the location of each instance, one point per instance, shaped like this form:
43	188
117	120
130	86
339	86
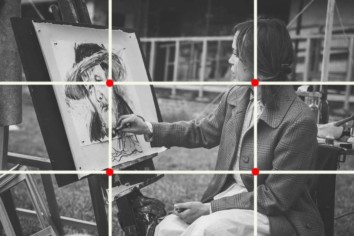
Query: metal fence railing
206	59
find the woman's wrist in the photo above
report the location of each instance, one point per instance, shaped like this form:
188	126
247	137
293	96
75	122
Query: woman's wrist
148	132
207	208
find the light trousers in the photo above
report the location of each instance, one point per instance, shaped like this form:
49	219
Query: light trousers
235	222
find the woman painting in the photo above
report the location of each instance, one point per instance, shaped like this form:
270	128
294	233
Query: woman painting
286	141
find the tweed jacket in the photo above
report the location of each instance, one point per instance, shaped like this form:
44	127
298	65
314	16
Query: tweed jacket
286	141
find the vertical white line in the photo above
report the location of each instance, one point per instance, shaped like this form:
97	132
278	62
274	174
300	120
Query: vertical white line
255	72
110	227
110	39
255	34
110	128
255	193
110	208
255	197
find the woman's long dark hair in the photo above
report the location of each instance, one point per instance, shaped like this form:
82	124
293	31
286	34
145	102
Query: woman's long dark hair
275	53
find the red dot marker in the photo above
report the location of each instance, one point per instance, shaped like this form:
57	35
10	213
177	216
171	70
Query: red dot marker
109	172
109	83
255	82
255	171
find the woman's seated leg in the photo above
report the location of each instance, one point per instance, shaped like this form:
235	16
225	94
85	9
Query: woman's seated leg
227	223
172	225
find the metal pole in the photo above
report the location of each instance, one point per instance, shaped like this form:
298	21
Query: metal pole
327	40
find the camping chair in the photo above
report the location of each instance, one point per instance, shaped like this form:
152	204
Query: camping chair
8	181
323	187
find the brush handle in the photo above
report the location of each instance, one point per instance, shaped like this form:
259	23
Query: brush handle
340	122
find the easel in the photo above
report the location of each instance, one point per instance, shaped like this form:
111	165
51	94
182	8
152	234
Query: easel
72	11
75	11
7	197
9	181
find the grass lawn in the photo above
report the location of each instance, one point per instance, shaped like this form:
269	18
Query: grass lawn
74	199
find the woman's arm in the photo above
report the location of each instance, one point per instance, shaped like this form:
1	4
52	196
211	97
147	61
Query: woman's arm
297	150
203	132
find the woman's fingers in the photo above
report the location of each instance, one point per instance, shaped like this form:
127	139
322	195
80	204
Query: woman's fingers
183	205
125	122
183	215
131	124
123	117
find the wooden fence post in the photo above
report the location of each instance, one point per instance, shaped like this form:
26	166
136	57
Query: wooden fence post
175	67
307	59
152	59
203	60
327	40
349	74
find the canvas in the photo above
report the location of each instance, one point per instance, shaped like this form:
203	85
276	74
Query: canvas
79	54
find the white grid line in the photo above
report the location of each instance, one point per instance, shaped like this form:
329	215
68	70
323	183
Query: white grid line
172	83
110	128
53	172
183	172
255	104
184	83
110	206
255	206
110	105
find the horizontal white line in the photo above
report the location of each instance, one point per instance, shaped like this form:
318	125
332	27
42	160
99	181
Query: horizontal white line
56	172
178	172
198	172
175	83
181	172
304	172
51	83
168	83
198	39
307	83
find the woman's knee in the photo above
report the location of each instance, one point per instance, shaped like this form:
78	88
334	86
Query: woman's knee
222	223
171	225
205	225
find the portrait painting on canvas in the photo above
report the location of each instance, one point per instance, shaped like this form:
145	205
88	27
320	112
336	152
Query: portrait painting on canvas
79	55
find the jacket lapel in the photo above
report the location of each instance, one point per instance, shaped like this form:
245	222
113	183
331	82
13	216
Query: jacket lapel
238	116
238	100
274	116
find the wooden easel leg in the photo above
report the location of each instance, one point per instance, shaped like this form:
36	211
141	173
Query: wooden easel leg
98	204
4	143
52	202
6	196
4	219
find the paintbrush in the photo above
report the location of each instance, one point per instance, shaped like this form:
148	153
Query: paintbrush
341	122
